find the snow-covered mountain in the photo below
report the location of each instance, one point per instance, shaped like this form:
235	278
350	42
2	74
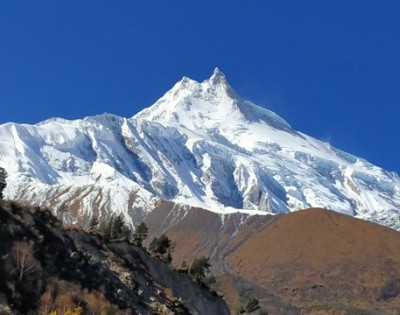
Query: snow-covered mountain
200	145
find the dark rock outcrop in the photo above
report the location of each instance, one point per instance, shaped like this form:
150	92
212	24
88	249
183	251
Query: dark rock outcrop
44	267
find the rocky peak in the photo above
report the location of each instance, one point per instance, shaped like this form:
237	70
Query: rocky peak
218	77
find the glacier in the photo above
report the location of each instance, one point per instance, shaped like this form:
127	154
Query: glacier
200	145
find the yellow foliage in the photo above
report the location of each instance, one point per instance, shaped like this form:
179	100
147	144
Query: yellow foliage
68	295
76	311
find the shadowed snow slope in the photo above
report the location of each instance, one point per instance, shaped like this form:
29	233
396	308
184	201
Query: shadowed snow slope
200	145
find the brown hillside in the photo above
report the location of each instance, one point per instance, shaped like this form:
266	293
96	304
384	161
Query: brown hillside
312	261
319	259
315	236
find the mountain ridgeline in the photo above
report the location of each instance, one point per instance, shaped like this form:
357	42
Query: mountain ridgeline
223	178
200	145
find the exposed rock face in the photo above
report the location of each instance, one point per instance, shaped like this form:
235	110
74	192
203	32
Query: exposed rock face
78	268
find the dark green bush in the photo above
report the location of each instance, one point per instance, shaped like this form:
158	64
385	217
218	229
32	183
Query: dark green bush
161	246
199	268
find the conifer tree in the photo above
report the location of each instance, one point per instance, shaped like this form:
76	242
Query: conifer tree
199	268
141	233
3	184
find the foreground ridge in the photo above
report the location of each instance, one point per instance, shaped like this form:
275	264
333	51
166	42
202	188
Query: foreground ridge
47	269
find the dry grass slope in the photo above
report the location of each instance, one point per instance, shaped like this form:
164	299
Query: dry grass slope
312	261
320	259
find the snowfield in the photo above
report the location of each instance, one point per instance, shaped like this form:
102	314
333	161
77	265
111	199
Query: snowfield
200	145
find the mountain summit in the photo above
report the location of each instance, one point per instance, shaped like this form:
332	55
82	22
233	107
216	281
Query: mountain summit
199	145
207	105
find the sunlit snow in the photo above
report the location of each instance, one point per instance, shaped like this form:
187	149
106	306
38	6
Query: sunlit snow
199	145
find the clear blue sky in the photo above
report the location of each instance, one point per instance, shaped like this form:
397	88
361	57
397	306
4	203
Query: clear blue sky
331	68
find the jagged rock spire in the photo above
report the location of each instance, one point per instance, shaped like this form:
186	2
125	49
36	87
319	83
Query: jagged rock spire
218	77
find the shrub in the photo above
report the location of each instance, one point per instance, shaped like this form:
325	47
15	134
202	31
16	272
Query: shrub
199	268
76	311
210	281
94	224
115	228
248	304
62	297
141	233
161	247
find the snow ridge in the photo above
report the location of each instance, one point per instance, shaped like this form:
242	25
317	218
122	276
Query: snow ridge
200	145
